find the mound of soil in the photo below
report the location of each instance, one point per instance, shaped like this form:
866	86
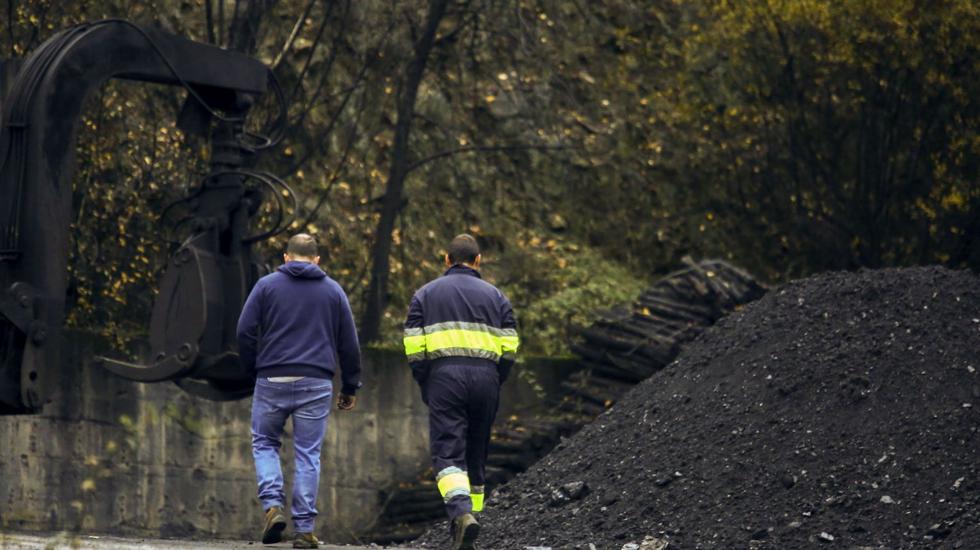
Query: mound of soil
841	410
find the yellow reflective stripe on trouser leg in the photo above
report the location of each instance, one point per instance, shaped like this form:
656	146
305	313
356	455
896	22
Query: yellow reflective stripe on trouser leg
476	495
452	482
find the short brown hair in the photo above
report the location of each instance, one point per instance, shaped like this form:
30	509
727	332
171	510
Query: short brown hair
302	245
463	249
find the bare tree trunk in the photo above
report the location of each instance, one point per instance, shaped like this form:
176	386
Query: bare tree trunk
376	299
244	30
209	20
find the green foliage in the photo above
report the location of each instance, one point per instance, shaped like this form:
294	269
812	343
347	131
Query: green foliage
589	145
832	134
559	288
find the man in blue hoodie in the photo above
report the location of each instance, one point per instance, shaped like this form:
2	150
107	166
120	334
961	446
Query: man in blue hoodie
295	329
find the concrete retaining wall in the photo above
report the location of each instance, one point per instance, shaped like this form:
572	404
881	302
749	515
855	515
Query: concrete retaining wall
109	455
113	456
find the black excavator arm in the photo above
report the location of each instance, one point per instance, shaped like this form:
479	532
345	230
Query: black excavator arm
192	330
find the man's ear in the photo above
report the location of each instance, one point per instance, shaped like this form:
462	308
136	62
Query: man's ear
285	258
476	261
448	263
316	260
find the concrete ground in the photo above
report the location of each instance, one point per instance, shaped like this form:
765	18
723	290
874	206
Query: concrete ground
65	541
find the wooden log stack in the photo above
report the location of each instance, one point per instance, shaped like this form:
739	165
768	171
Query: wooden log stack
621	348
628	344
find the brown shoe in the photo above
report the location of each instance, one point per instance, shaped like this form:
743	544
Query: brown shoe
275	523
306	540
465	531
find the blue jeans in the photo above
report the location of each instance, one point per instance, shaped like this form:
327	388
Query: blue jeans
308	401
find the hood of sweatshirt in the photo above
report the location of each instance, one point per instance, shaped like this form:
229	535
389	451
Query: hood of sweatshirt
302	270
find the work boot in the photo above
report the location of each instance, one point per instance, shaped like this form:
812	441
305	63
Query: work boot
275	523
465	531
306	540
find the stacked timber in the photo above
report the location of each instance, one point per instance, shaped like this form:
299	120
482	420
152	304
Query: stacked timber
628	344
621	348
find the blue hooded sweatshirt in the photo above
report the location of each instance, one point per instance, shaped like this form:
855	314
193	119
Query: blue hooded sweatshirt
298	322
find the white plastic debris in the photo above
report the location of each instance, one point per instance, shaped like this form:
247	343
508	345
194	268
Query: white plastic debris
653	543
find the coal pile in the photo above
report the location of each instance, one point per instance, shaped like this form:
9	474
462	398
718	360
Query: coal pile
840	411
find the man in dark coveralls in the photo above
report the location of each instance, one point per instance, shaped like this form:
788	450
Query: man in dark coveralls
461	340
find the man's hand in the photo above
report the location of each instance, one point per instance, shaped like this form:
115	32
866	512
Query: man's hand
346	402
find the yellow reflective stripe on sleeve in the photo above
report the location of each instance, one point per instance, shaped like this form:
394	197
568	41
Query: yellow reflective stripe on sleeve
509	344
477	499
414	344
460	338
452	482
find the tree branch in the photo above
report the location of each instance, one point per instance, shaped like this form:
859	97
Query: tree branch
209	19
221	22
483	149
333	121
232	27
309	58
292	35
10	26
327	69
245	26
351	138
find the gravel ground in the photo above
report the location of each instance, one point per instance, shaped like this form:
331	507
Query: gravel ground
839	411
64	541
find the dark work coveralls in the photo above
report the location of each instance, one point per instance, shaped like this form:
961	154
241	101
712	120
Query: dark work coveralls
461	340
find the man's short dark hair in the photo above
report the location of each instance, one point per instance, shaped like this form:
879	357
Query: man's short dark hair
302	245
463	249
